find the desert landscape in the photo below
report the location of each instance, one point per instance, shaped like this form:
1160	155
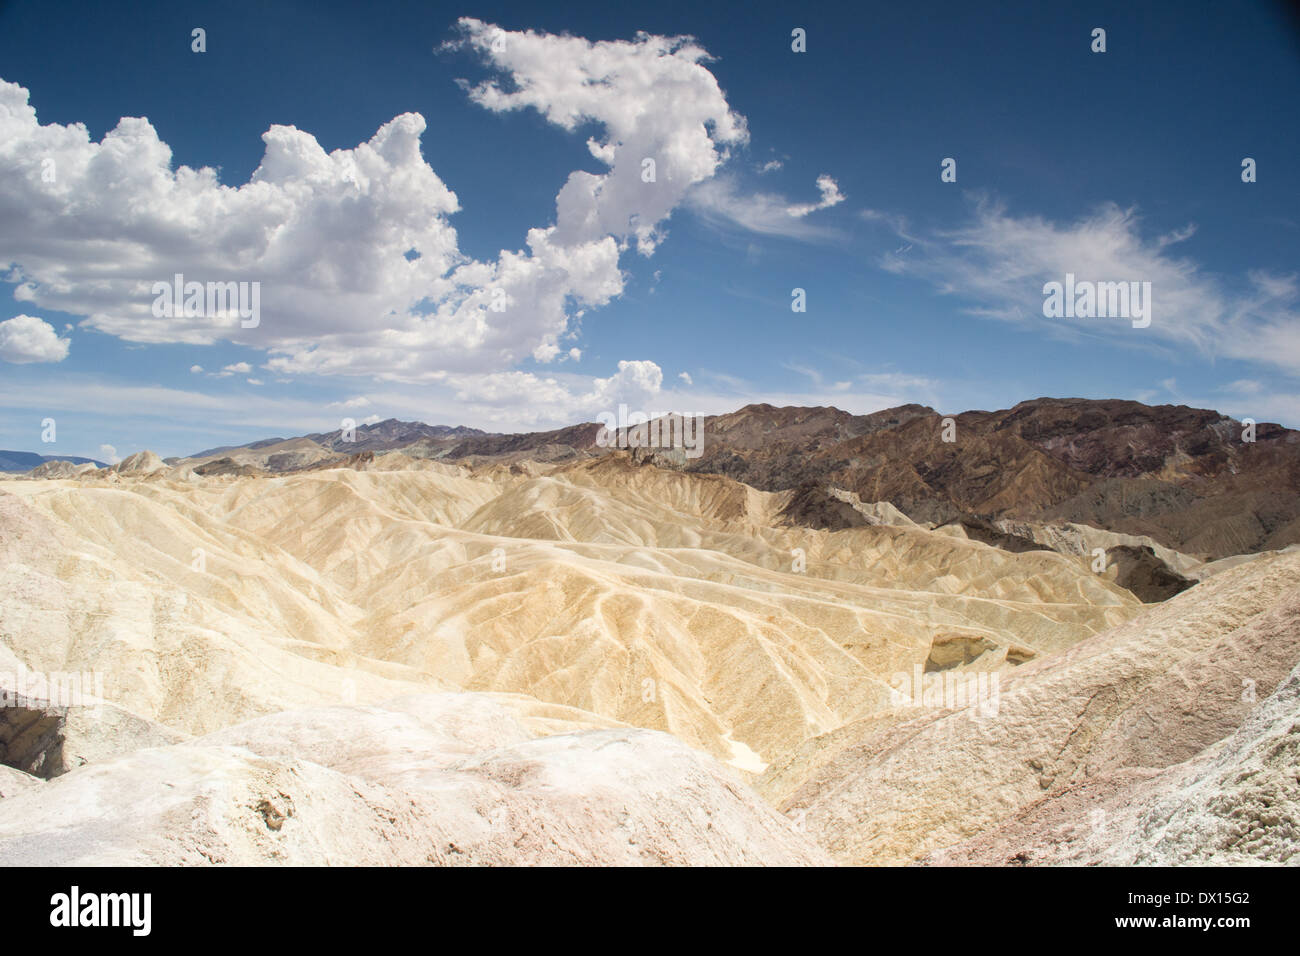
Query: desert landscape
840	437
431	646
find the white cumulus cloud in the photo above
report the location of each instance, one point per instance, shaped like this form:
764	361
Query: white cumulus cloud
654	100
329	236
25	339
526	398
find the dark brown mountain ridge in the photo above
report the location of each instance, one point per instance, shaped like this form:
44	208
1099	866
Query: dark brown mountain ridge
1183	476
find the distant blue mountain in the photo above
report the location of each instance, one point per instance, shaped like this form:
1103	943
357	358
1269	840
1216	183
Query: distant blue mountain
26	460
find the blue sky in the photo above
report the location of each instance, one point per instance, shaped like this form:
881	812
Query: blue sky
775	170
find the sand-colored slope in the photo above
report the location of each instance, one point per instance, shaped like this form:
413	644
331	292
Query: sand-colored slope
103	580
1160	690
650	597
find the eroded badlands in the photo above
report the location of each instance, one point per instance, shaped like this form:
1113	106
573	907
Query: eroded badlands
606	662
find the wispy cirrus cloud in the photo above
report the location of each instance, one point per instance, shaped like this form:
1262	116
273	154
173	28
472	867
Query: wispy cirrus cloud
899	388
723	203
998	263
831	196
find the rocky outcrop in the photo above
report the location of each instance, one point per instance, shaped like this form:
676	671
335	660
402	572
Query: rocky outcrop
225	467
1137	569
61	469
982	529
812	506
139	464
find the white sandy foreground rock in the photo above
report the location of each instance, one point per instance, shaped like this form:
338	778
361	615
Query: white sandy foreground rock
1236	804
1169	739
430	779
14	782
